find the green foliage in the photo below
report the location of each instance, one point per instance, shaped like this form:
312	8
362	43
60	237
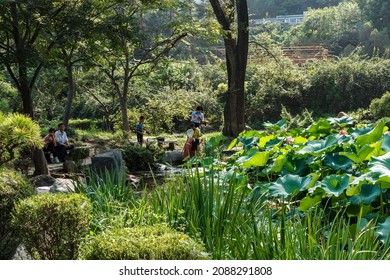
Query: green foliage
141	158
17	133
13	187
51	226
157	242
379	107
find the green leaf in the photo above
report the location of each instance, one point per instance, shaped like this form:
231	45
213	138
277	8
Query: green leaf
309	201
386	143
275	126
295	166
371	137
318	147
289	185
368	194
278	163
380	166
341	122
354	210
384	230
335	184
321	126
361	154
253	158
338	162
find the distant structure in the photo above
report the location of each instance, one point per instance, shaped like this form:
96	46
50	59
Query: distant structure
289	19
300	54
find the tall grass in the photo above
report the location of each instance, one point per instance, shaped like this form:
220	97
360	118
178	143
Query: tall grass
234	221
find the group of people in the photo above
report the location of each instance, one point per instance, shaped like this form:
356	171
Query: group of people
192	145
56	144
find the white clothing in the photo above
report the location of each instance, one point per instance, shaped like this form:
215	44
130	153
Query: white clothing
190	133
61	137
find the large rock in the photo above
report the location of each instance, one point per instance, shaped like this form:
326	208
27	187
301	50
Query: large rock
43	181
108	162
173	157
63	186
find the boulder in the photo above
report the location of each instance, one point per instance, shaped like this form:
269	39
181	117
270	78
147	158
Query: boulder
108	162
173	157
69	167
63	185
43	181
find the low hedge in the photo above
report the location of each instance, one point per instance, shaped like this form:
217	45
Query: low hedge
157	242
51	226
13	187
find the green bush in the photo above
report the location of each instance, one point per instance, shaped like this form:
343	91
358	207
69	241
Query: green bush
139	158
379	107
13	187
156	242
51	225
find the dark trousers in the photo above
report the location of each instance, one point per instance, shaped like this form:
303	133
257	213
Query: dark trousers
50	149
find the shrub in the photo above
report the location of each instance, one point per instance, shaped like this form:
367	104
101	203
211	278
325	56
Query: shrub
17	133
379	107
52	225
13	187
140	158
156	242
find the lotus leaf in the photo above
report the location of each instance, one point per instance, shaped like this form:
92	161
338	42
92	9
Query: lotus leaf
289	185
341	122
318	147
386	143
368	194
309	201
338	162
253	158
384	230
373	136
275	126
381	167
361	154
321	126
335	184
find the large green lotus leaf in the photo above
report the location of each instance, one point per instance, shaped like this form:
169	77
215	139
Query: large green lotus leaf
377	150
335	184
298	140
253	158
368	194
359	131
289	185
233	174
361	154
309	201
380	165
386	143
274	142
318	147
296	166
341	122
233	144
275	126
337	161
214	142
278	163
383	230
373	136
321	126
265	139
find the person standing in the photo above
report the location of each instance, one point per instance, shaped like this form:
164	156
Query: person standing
62	142
140	130
197	116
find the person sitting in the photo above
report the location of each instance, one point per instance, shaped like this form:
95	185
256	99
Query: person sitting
62	142
49	147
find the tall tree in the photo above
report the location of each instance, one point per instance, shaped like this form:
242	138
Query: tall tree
232	15
127	49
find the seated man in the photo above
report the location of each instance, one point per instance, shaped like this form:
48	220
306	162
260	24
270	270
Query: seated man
62	143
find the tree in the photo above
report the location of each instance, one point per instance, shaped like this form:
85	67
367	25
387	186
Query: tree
128	52
236	40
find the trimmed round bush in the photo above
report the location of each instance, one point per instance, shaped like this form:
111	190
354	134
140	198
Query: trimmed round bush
157	242
51	226
13	187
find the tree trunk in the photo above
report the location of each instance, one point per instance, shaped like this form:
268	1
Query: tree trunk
69	100
40	163
236	48
125	116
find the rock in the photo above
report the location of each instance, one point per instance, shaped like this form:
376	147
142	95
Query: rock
43	181
173	157
69	167
44	189
63	185
21	254
111	162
